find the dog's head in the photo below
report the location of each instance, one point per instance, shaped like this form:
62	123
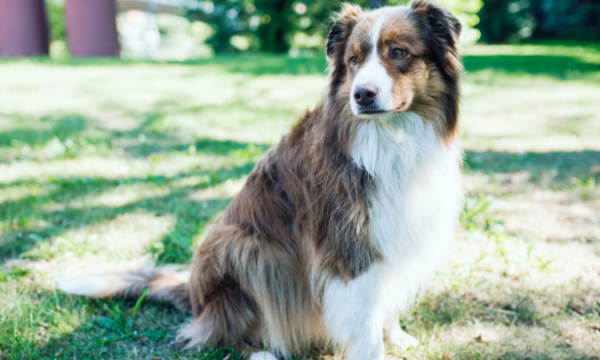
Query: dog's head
397	59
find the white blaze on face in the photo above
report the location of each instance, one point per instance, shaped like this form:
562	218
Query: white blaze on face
373	73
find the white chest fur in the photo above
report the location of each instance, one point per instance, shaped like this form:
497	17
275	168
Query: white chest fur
413	212
414	209
415	205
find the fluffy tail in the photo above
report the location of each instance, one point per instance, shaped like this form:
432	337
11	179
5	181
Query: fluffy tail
164	283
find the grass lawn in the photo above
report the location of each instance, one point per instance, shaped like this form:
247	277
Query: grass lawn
106	164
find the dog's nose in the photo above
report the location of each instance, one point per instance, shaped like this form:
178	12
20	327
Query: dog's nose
365	95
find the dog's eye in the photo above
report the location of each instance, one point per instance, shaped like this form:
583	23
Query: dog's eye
354	60
399	54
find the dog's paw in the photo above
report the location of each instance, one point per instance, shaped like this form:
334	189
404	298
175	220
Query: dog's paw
262	355
401	340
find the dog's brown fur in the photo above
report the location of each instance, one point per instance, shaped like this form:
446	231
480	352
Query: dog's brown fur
297	216
302	216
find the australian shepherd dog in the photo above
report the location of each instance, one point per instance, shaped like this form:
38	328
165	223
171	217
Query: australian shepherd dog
338	227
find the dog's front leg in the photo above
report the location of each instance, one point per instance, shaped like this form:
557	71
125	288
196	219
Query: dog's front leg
353	316
394	334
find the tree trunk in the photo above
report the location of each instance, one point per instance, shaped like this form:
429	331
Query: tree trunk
92	28
23	28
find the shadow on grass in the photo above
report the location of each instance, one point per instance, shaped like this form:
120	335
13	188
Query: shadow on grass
447	314
267	64
152	332
72	135
557	66
563	165
22	142
481	351
20	235
191	216
57	127
560	67
255	64
29	221
448	308
200	146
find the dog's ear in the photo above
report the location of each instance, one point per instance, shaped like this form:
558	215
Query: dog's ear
443	31
440	21
343	23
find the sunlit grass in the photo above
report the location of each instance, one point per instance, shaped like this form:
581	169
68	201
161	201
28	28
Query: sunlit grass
108	163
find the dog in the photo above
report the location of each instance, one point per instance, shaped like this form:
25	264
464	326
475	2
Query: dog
339	226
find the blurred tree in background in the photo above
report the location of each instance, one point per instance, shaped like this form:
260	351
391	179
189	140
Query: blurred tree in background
55	12
301	25
268	25
231	21
58	28
56	20
278	25
516	20
279	21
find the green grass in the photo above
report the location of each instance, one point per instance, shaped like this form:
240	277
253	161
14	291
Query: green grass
108	163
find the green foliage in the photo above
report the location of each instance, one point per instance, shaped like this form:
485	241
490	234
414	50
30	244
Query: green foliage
585	189
566	19
519	311
118	321
468	7
473	216
267	25
228	18
516	20
505	20
277	26
56	20
176	248
481	225
13	274
58	30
